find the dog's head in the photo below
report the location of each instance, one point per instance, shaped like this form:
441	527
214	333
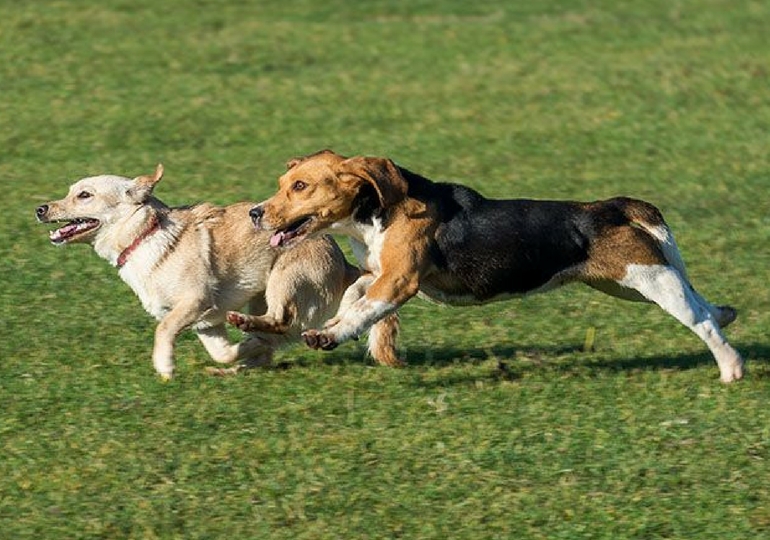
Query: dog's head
95	203
325	188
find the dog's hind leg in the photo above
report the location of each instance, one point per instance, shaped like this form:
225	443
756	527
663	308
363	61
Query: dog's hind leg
254	351
643	263
665	286
645	217
724	315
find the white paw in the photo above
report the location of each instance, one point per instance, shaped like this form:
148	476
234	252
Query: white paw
733	370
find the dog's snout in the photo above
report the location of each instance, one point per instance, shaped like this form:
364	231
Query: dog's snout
256	214
41	211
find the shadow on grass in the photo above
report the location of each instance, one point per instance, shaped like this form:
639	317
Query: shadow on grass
751	353
513	362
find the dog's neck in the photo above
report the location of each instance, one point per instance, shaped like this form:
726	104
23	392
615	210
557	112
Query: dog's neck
130	229
365	239
153	226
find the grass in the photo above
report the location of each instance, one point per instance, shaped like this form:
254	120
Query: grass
502	426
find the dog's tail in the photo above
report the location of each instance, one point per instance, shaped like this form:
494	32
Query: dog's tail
648	218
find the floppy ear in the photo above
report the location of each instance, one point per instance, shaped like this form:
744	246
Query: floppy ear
143	185
381	173
293	162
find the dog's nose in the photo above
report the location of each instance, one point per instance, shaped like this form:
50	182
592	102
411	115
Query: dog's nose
256	214
41	211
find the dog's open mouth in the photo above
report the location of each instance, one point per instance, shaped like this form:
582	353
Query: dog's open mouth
73	229
299	228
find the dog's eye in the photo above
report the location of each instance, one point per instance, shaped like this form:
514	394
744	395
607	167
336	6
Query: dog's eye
299	185
85	195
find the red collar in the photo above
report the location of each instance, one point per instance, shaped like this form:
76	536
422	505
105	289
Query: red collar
153	227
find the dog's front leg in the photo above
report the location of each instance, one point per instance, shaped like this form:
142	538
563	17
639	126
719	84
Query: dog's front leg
385	295
266	324
176	320
352	294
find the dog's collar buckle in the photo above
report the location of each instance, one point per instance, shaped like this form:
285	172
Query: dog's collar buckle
153	227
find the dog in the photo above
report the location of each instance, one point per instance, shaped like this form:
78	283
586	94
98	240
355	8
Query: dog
450	244
190	266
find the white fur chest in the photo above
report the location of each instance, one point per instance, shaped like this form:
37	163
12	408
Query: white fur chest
366	241
141	273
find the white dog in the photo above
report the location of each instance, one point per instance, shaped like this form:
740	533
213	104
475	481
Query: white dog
190	265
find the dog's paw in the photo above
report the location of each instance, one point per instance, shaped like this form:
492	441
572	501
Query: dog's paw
730	366
319	340
331	323
238	320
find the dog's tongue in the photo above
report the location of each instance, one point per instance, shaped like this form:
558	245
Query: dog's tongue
276	239
64	232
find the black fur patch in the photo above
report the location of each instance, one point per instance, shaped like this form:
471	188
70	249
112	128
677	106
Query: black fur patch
498	247
366	205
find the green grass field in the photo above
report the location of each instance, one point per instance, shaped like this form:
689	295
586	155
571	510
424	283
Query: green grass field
667	101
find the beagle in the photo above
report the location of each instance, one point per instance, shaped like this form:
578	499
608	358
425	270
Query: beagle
452	245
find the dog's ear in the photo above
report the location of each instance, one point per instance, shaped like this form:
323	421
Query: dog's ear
293	162
380	173
143	185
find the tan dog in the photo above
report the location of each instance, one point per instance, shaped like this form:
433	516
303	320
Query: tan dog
454	246
190	265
